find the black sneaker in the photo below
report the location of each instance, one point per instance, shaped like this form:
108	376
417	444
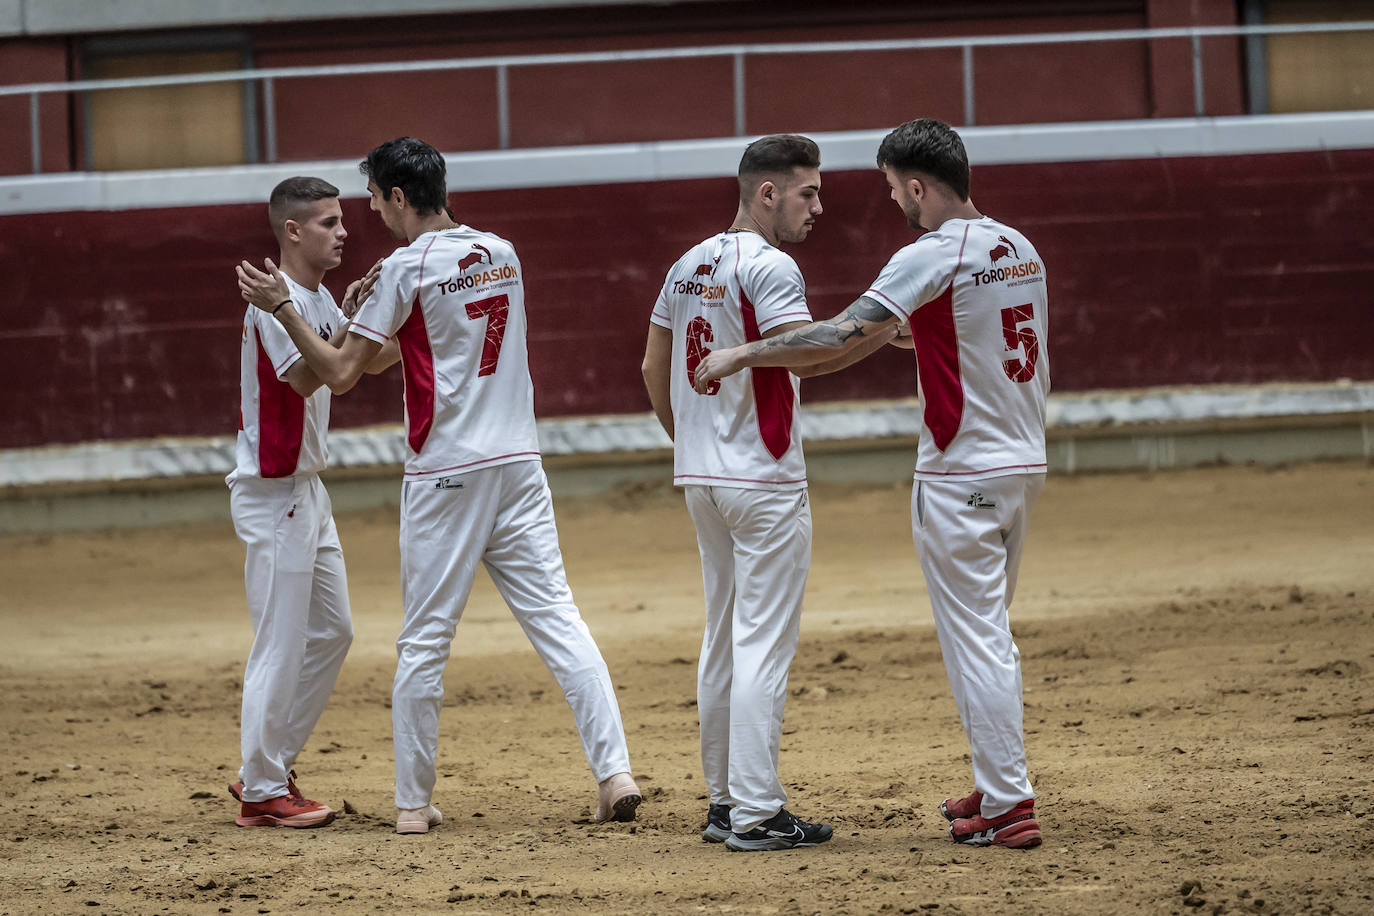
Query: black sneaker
717	824
783	830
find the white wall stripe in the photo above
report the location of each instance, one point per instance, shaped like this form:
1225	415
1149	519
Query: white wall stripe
679	160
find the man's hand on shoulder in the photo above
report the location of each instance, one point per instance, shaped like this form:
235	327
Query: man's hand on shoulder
359	290
265	288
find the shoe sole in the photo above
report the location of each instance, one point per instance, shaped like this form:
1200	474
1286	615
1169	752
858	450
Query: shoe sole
714	834
623	809
735	844
234	792
1023	835
299	821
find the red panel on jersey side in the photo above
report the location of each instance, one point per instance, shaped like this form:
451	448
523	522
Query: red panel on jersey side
281	420
417	361
772	392
937	366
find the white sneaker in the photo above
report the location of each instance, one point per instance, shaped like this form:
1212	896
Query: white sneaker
617	799
417	820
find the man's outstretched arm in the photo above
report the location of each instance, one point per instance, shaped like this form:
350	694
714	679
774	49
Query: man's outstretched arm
864	324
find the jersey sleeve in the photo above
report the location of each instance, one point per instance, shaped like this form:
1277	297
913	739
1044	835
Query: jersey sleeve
774	286
382	315
276	343
915	275
662	315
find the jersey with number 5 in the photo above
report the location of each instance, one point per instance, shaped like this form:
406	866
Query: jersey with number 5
455	302
973	292
743	432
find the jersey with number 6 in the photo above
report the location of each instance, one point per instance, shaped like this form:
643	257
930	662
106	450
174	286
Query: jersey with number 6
455	302
743	432
973	292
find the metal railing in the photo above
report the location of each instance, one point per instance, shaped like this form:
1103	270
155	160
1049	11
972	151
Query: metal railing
738	53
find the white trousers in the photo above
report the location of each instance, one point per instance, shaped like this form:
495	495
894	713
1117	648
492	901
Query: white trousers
503	518
297	589
755	554
969	535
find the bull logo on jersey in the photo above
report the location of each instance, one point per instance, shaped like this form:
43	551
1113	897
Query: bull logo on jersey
1020	271
1002	250
478	255
703	270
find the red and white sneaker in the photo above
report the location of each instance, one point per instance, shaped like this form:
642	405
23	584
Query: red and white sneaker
285	811
968	806
1017	829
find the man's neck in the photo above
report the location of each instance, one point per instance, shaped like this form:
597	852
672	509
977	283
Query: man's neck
744	221
434	222
302	274
963	209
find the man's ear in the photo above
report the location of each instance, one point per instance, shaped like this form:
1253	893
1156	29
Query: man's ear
767	192
397	198
291	230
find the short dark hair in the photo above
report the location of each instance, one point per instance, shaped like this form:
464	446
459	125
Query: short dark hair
931	147
413	166
775	154
288	196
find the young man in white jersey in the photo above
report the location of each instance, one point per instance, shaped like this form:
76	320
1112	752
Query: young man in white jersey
294	567
474	490
737	454
972	292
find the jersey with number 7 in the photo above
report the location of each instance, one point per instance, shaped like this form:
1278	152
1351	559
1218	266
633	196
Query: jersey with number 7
973	292
455	302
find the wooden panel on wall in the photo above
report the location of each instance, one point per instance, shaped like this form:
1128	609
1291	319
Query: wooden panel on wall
1320	72
165	127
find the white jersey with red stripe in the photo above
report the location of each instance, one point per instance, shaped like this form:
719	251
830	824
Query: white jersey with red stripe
744	432
281	433
973	292
455	302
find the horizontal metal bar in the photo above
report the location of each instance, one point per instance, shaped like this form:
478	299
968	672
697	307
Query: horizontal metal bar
591	57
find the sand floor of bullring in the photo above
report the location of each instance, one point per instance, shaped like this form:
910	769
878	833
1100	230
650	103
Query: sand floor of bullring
1198	658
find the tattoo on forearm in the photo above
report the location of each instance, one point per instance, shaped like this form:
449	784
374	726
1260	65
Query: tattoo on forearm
855	321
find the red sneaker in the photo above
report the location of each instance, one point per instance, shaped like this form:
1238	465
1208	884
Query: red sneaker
955	808
285	811
1017	829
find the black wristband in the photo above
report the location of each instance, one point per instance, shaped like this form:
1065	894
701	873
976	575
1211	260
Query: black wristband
280	304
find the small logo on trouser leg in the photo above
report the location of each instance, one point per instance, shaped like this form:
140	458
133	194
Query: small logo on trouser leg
448	483
977	501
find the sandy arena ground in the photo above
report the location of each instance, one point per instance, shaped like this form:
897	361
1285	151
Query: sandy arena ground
1198	653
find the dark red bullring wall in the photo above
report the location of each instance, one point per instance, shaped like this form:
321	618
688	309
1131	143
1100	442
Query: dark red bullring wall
1238	269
